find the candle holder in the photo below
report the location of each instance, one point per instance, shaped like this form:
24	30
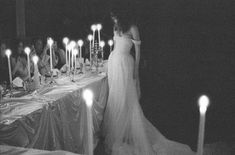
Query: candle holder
81	68
97	57
52	81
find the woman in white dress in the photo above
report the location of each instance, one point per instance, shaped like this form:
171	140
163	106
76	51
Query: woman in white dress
126	130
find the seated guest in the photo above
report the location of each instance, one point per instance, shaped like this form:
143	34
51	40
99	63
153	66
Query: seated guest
3	64
44	58
19	62
60	57
43	64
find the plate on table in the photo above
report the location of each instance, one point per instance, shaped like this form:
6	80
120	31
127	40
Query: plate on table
16	92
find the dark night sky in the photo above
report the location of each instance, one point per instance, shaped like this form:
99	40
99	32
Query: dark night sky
189	47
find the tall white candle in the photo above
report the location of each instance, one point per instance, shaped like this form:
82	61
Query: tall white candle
8	53
93	28
80	44
75	52
65	41
27	51
90	39
36	74
203	104
72	44
69	51
88	96
72	54
50	43
110	42
99	27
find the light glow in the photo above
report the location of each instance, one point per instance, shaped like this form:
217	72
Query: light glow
75	51
80	42
8	52
35	59
88	97
50	41
66	40
89	37
102	43
203	103
93	27
27	50
99	27
72	44
110	42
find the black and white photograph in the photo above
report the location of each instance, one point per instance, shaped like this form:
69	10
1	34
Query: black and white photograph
117	77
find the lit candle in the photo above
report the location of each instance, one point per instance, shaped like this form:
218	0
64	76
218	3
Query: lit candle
27	51
102	43
65	41
88	96
8	53
90	39
93	28
72	58
99	27
73	44
36	74
110	42
69	51
203	103
80	44
50	43
75	52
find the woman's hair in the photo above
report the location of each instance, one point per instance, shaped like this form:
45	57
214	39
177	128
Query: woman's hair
124	14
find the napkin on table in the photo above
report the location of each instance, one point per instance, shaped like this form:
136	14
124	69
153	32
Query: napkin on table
17	82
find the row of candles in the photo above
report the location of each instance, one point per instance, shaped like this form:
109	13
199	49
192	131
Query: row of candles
71	50
203	104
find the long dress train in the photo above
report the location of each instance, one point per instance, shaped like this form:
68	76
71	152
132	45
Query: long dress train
126	130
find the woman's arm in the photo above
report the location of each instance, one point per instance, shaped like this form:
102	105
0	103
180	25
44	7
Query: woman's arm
54	58
62	56
135	34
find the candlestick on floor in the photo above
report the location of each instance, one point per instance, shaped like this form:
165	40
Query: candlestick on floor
88	96
203	104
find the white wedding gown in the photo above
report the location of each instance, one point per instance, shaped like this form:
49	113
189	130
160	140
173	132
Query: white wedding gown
126	130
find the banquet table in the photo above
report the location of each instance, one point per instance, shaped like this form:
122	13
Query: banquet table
54	116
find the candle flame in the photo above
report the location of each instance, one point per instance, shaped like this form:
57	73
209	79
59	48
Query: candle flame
93	27
99	27
72	44
75	51
89	37
110	42
80	42
8	52
35	59
203	103
65	40
102	43
27	50
50	41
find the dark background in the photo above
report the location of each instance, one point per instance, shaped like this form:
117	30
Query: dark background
188	48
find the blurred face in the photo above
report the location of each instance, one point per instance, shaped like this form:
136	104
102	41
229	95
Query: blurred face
39	46
20	48
55	46
114	18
